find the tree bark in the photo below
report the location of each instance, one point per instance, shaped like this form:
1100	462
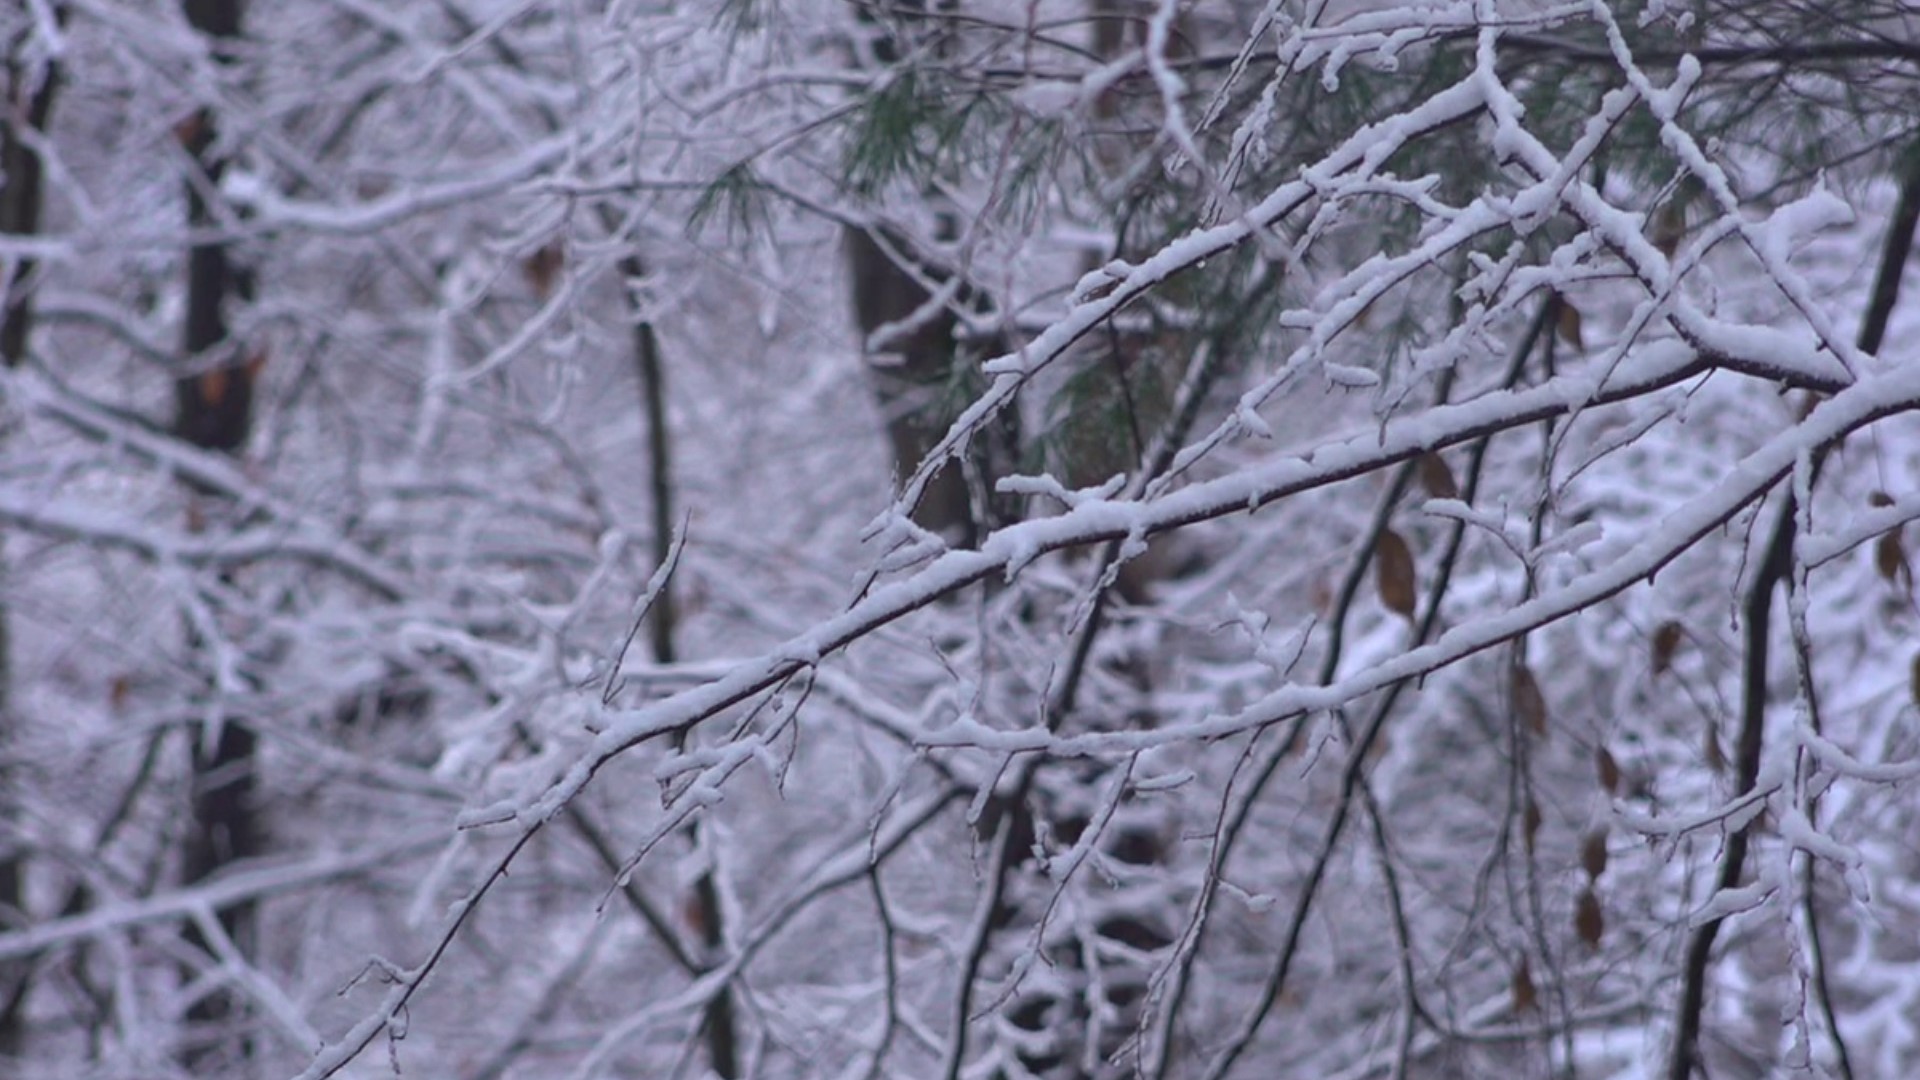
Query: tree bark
213	402
913	380
921	376
26	106
718	1027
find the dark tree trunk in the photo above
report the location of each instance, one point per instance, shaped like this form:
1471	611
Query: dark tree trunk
922	379
25	105
912	378
925	377
718	1026
213	401
20	192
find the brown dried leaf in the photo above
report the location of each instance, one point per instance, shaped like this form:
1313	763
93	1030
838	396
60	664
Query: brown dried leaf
1393	572
255	363
694	913
1530	824
1380	746
1588	920
541	267
118	690
187	131
1593	853
1669	225
1609	769
1879	499
1436	477
1567	324
1890	558
212	386
1320	596
1716	757
1666	639
1526	997
1528	703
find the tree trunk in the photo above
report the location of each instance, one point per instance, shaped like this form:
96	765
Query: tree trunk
718	1027
922	377
213	402
914	379
21	179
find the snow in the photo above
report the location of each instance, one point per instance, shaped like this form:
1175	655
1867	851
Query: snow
506	738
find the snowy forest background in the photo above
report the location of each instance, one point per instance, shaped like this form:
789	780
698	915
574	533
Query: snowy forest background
958	538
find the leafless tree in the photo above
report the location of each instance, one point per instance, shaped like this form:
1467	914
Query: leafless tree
989	538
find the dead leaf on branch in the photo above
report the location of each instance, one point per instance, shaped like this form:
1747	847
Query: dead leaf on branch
693	911
1530	824
1716	757
1890	558
542	267
1588	920
1593	854
188	130
1393	571
1668	227
1529	704
212	386
1526	997
1567	324
1435	477
1666	641
1320	596
1609	770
